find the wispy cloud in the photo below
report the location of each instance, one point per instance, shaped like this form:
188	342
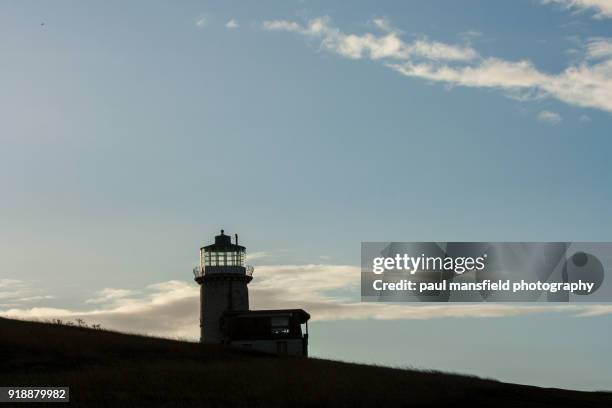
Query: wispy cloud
327	292
111	295
166	309
602	8
551	118
10	283
281	25
599	47
586	83
16	292
201	21
470	35
389	45
252	256
231	24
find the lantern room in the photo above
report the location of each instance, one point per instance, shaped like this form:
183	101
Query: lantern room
222	257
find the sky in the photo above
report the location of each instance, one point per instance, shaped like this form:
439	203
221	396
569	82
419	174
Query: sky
132	132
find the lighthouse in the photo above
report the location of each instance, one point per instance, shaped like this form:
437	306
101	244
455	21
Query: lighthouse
225	317
223	280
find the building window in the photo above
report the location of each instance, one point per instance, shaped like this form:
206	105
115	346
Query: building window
279	325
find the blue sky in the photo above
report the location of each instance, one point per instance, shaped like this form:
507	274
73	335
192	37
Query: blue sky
131	133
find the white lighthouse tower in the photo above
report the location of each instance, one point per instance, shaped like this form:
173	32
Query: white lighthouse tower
225	317
223	280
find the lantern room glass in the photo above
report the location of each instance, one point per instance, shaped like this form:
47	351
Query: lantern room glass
221	258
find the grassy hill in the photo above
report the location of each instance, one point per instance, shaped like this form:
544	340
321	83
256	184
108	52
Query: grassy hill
112	369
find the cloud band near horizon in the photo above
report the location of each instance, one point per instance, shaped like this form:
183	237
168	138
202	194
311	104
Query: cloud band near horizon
327	292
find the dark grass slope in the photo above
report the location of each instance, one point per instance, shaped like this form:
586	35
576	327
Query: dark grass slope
111	369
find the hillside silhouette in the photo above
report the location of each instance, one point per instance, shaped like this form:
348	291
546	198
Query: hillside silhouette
110	369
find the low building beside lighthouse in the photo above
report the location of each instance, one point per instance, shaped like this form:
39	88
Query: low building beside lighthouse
225	317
